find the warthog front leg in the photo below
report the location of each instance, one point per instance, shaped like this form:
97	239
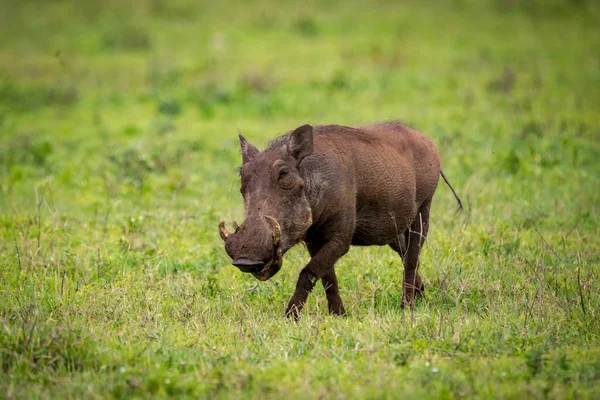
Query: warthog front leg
330	284
319	267
334	301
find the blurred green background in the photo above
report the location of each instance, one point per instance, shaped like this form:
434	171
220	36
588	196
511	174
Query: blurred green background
119	155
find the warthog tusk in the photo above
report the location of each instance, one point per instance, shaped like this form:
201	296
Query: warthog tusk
276	229
223	230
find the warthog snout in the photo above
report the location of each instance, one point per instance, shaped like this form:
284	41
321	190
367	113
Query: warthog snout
253	247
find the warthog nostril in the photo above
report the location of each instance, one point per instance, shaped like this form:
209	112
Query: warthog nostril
247	265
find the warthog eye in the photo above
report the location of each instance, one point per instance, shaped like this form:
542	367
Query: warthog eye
286	180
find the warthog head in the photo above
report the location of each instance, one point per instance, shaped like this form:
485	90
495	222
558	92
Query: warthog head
278	212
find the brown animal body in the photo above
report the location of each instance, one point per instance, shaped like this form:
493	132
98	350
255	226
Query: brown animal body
334	186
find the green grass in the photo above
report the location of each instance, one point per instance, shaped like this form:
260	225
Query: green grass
118	157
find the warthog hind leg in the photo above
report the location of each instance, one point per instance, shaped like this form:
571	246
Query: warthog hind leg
409	251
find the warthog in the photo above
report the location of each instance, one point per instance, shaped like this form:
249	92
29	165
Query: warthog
334	186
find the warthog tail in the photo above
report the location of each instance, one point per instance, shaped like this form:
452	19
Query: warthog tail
460	206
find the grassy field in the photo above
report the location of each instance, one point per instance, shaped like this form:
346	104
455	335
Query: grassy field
119	155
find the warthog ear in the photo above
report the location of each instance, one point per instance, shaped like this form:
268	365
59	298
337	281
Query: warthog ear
249	151
301	142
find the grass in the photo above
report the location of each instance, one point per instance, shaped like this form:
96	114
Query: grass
118	157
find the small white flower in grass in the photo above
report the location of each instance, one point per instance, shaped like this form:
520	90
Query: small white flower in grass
122	369
435	370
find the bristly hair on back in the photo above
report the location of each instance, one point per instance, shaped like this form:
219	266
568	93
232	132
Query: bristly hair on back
284	138
394	122
280	140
